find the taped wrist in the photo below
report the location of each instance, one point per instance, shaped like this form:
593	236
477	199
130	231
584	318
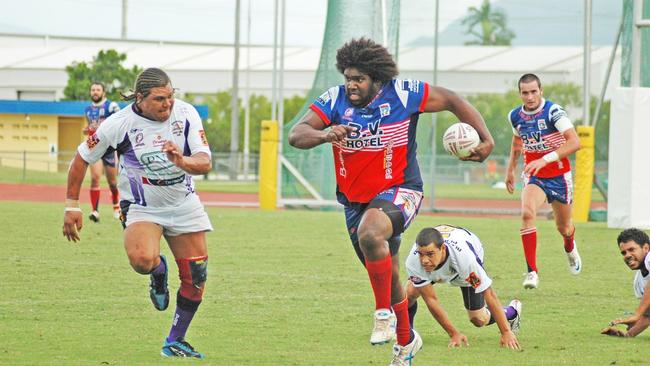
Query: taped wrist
551	157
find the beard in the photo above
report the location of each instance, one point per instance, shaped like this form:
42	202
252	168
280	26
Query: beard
96	98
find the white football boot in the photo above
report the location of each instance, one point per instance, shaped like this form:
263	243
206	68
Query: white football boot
531	281
384	329
575	264
515	322
403	355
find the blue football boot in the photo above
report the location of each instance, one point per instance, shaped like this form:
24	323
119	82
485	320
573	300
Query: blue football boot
158	288
180	348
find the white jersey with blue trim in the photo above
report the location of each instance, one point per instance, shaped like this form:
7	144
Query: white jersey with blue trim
641	281
146	176
463	266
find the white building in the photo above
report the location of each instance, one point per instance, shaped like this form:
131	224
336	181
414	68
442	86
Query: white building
33	68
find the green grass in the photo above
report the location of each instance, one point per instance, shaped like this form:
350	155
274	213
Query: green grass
285	288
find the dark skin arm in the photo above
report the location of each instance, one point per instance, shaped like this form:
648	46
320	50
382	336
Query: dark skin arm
441	99
72	220
310	132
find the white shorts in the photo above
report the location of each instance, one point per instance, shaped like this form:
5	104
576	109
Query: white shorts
189	217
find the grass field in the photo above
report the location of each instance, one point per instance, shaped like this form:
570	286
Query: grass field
285	288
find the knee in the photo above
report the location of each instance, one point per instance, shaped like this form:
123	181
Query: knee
527	214
193	273
477	321
142	263
370	239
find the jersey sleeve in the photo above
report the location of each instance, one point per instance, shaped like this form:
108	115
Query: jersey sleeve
559	118
98	142
196	139
412	93
514	130
472	272
112	108
323	106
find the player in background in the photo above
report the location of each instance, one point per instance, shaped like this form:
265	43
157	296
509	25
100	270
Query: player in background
546	135
160	142
635	249
100	109
454	255
371	123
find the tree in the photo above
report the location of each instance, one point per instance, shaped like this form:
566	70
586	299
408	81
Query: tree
106	68
492	26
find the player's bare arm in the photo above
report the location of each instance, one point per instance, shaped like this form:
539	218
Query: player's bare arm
72	219
199	163
571	145
441	99
310	132
457	339
508	338
515	153
636	323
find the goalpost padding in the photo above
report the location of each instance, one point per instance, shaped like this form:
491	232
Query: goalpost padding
629	171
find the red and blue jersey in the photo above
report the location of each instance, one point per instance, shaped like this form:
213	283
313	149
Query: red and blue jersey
541	132
381	152
97	113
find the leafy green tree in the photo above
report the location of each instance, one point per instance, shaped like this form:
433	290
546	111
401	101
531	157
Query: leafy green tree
106	68
495	108
491	22
218	127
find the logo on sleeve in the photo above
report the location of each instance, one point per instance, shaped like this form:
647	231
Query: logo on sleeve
204	140
473	280
177	128
92	141
384	109
416	280
324	98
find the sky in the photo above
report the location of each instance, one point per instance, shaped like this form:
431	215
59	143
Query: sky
212	21
209	21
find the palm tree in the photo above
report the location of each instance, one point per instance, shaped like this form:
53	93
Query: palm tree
492	24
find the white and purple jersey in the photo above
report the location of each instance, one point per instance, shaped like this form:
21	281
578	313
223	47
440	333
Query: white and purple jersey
463	266
541	132
641	281
97	113
147	177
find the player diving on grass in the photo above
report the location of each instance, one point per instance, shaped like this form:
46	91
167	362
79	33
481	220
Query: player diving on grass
635	249
371	123
454	255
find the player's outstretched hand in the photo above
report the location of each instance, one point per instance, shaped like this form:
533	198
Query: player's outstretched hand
613	331
72	223
338	133
480	152
629	321
457	340
509	340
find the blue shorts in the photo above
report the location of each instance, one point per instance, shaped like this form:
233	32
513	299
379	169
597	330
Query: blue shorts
109	158
407	201
558	188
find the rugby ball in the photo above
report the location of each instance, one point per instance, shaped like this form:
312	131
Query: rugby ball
459	139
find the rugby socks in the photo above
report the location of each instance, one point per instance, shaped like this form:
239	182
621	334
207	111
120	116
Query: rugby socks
413	309
94	197
529	240
403	330
185	310
568	241
380	273
115	195
509	311
160	269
